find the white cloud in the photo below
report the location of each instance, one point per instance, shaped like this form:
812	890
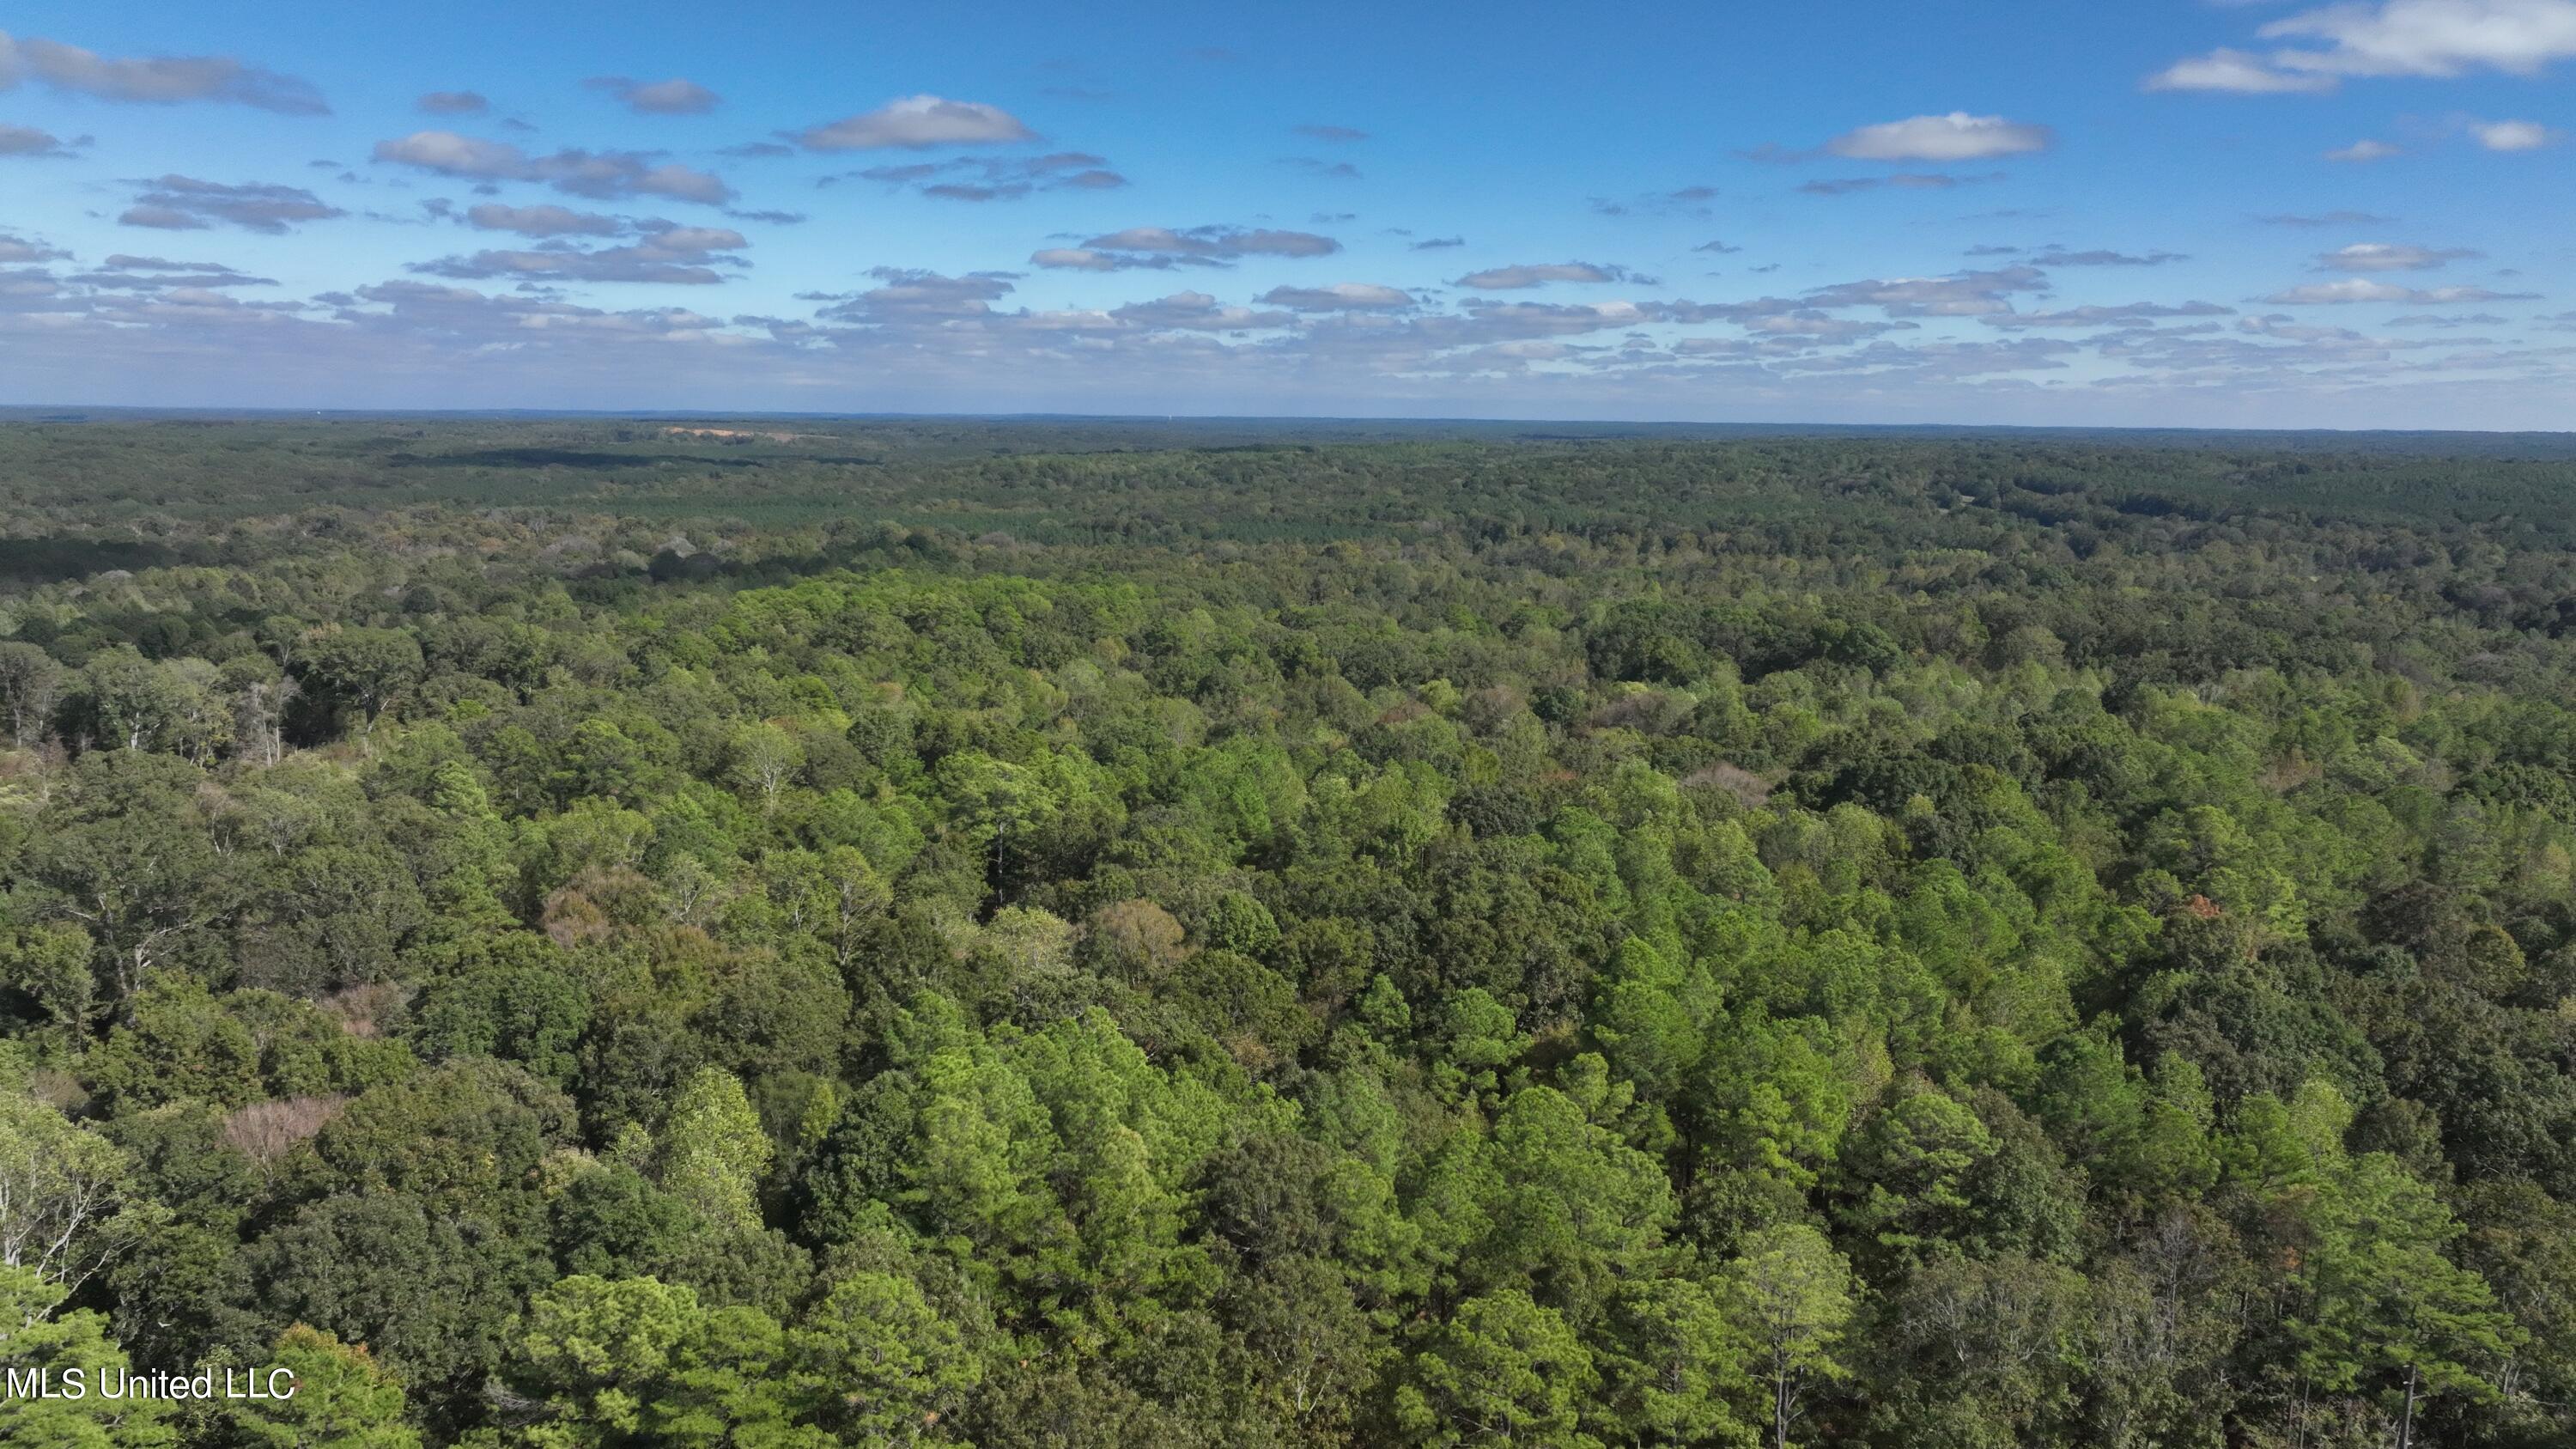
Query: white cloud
1490	321
1903	180
1077	259
453	155
921	340
1197	312
543	220
184	203
2439	38
2326	219
673	97
2433	38
1339	297
912	295
2361	289
1957	136
2060	257
2514	135
2363	151
156	80
681	255
2233	71
1965	294
19	249
2389	257
603	175
2128	315
28	141
1213	242
1806	326
1535	274
154	274
996	178
2282	326
916	122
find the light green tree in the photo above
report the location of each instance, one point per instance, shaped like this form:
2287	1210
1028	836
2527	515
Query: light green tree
2387	1308
55	964
1576	1206
763	759
35	1339
66	1206
1503	1370
878	1364
342	1400
1791	1296
636	1361
1673	1363
714	1152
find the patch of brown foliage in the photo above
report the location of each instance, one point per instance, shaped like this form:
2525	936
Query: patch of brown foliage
267	1131
363	1010
1735	780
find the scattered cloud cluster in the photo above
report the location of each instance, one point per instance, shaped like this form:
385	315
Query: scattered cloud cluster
543	221
2390	257
154	80
1159	248
1941	140
2102	257
917	123
600	175
2127	314
2362	289
673	97
1539	274
2326	219
2321	48
994	178
1317	166
28	141
1689	201
15	248
928	326
506	289
663	252
1197	312
1902	180
184	203
1340	297
1962	294
124	272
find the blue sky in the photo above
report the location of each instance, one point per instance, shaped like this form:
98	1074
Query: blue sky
2196	214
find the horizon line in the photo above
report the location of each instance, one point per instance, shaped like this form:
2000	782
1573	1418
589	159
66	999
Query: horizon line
11	412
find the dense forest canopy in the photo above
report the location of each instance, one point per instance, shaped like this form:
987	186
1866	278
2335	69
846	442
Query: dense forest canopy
795	932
